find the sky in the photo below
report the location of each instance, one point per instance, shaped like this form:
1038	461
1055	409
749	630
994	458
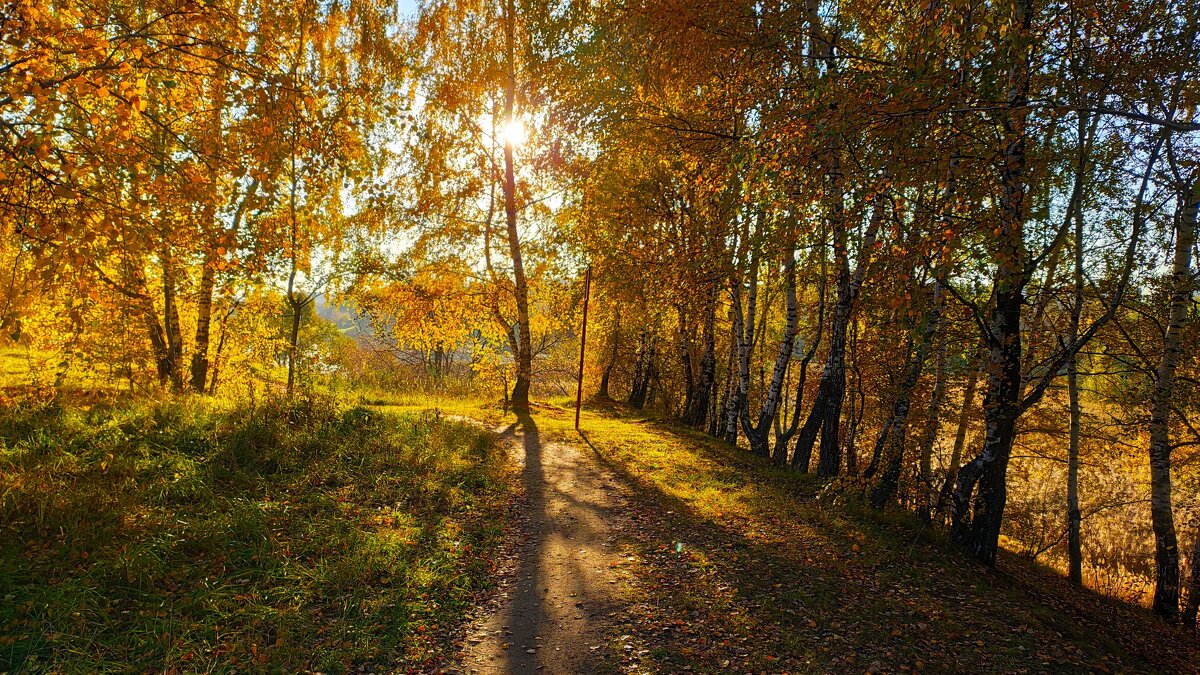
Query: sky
407	8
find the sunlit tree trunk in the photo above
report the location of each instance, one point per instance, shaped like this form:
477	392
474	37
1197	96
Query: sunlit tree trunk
1166	547
169	342
977	529
889	448
493	296
210	229
824	417
520	392
296	302
133	286
174	337
639	366
204	301
684	347
643	372
729	414
744	322
216	361
783	435
297	308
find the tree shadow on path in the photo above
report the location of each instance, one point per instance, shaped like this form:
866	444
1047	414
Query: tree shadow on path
564	592
526	612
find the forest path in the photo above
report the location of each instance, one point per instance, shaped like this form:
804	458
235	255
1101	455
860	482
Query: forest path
643	547
569	586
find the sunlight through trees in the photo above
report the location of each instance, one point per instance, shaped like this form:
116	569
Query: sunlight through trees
939	254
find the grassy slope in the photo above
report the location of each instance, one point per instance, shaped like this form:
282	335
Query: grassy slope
184	536
776	576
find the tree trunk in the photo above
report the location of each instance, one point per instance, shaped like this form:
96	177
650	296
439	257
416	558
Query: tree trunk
960	438
166	337
1074	517
210	229
134	282
684	347
520	392
639	365
174	336
758	434
158	340
1166	547
651	373
889	449
1075	213
857	403
744	333
292	294
606	377
216	362
643	372
784	436
1193	598
204	300
297	306
729	412
826	412
702	391
977	530
714	408
929	434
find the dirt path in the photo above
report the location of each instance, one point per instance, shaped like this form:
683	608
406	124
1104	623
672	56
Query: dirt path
558	610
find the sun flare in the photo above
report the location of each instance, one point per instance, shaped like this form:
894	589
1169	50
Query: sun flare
514	133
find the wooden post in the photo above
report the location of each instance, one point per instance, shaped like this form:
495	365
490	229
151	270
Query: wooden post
587	291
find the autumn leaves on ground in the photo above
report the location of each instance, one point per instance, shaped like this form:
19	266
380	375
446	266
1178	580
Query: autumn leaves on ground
382	536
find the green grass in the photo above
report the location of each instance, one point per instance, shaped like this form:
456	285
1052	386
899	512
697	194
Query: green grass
196	535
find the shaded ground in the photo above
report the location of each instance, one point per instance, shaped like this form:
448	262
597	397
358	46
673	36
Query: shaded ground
697	557
778	575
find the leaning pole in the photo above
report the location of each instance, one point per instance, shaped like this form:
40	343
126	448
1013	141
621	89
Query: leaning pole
587	291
